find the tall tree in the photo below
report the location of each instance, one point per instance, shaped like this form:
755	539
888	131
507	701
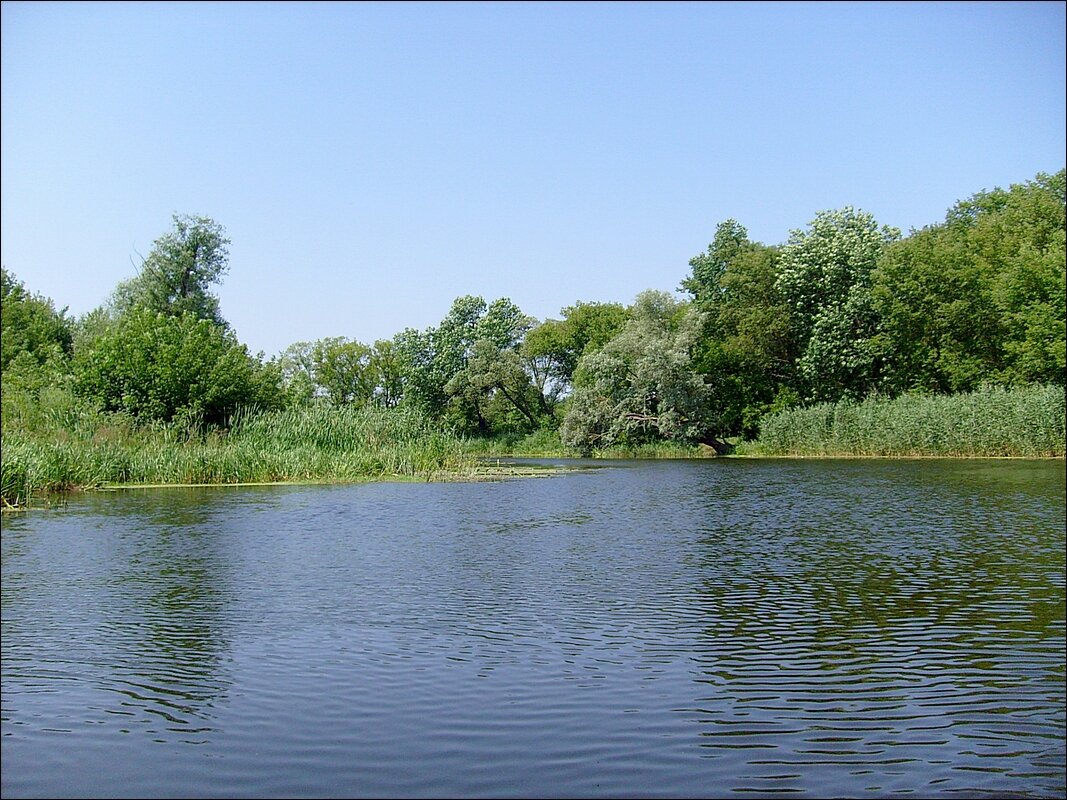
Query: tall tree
824	276
557	345
495	392
343	370
432	358
177	276
297	367
746	350
388	368
708	268
979	298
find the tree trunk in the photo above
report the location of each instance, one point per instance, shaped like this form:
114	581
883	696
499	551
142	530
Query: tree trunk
720	448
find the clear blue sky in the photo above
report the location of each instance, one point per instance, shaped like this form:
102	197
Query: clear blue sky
371	162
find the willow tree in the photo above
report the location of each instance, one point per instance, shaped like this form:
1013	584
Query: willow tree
177	275
642	386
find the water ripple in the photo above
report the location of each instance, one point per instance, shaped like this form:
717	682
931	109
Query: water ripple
668	629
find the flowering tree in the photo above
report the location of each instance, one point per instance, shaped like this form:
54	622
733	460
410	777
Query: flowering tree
824	276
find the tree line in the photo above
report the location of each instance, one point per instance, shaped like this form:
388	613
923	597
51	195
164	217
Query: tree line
845	309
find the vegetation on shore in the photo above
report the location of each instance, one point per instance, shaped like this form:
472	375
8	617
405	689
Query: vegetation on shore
313	444
848	339
992	422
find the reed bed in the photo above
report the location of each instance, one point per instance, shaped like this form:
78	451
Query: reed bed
991	422
57	442
80	449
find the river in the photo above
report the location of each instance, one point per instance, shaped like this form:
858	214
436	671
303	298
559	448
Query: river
706	628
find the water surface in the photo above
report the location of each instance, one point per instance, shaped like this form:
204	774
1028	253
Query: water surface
657	629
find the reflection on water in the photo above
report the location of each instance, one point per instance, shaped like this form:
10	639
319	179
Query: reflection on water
667	629
119	611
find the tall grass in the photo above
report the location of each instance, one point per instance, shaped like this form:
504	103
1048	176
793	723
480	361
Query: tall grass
62	444
542	443
994	421
52	441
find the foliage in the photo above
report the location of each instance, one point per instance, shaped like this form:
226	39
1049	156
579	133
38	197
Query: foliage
388	368
824	277
31	326
176	277
746	350
369	440
84	447
157	367
555	346
296	366
980	297
706	281
641	385
992	421
431	360
343	370
91	326
495	391
148	388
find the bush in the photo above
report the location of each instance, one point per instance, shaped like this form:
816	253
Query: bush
159	367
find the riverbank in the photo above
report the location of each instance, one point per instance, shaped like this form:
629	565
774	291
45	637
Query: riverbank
317	444
477	471
79	450
993	422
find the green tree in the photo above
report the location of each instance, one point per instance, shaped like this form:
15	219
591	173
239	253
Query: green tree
495	392
177	275
705	282
939	328
824	277
1023	246
641	386
554	347
91	326
296	366
979	298
421	384
748	351
745	350
160	367
30	324
388	368
432	358
343	370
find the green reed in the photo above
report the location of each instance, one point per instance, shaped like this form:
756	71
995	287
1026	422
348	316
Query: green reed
57	443
993	421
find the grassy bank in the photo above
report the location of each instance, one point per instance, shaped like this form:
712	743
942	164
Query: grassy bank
993	422
77	448
57	443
